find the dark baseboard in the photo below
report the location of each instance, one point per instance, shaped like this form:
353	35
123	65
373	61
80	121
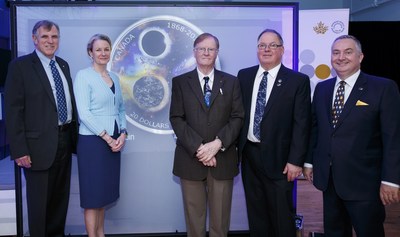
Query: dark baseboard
180	234
315	234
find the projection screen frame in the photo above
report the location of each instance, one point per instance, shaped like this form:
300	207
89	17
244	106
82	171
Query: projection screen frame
17	50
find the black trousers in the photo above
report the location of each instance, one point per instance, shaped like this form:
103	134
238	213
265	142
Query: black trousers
269	202
47	192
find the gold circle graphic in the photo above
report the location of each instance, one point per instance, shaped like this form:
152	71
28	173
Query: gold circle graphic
322	71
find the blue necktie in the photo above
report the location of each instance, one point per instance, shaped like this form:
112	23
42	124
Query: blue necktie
338	103
260	105
61	101
207	91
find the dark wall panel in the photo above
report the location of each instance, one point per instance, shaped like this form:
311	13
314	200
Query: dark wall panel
5	57
381	46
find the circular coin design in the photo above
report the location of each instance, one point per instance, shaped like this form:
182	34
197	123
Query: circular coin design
146	56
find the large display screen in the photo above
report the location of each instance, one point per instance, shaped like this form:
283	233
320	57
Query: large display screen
152	43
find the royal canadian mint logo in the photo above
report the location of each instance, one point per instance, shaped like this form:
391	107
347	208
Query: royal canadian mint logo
146	56
320	28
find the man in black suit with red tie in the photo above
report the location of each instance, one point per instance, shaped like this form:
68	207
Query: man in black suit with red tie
274	139
354	153
40	118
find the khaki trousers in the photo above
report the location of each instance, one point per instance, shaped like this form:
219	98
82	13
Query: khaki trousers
218	195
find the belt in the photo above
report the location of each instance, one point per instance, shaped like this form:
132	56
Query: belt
253	143
64	127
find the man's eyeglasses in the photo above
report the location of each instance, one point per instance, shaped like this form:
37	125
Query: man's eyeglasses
203	50
271	46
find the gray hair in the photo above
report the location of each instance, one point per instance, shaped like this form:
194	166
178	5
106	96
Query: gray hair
358	43
46	24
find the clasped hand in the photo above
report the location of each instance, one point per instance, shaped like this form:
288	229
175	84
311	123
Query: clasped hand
117	144
206	153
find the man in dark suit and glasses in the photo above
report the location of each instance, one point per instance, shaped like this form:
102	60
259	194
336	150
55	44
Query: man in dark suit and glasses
207	127
274	138
355	154
41	134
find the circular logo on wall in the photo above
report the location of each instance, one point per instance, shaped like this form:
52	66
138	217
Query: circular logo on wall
146	56
337	27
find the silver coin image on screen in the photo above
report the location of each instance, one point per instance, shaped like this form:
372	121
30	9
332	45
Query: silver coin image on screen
146	56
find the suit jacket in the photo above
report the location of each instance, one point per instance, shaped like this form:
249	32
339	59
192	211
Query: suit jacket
31	111
364	147
286	122
194	123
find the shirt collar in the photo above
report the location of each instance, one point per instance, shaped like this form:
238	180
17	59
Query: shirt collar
273	72
45	60
351	80
201	75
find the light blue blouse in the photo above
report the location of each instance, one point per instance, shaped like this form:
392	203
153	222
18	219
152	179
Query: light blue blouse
98	107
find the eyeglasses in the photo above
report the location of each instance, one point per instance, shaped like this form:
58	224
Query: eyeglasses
203	50
271	46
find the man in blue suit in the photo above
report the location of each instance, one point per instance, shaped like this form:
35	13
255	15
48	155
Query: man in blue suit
274	151
354	156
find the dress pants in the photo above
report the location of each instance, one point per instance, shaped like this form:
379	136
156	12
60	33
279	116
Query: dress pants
269	202
218	194
341	216
47	192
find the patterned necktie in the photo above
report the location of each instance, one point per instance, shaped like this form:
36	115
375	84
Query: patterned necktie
338	103
207	91
260	105
61	101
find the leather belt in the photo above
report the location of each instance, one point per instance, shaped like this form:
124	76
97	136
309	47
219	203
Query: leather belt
253	143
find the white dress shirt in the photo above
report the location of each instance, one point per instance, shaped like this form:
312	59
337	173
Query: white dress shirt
270	84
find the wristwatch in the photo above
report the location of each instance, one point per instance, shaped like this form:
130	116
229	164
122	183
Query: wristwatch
123	130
